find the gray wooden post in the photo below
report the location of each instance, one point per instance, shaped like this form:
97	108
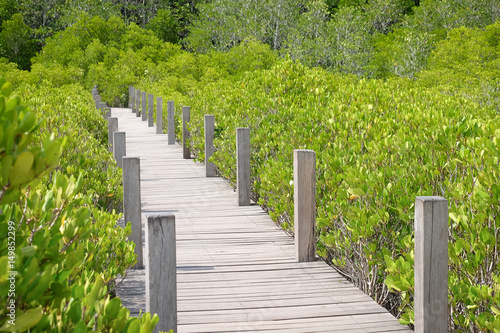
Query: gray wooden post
144	102
150	111
129	96
119	147
132	203
112	127
186	118
161	271
209	145
243	165
304	199
159	119
431	265
132	99
171	122
138	103
98	102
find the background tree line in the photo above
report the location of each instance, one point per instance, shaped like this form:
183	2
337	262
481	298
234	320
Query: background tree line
25	25
372	38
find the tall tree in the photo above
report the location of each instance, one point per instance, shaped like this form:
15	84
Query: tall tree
223	24
15	42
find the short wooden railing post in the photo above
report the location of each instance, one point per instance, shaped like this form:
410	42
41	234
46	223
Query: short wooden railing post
150	110
129	96
132	99
159	119
132	203
161	271
112	127
119	147
144	102
431	265
243	165
137	103
98	102
171	122
304	198
186	118
209	145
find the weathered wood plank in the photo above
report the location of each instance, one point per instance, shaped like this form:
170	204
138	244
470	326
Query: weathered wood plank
112	127
161	276
150	110
304	198
132	203
159	115
209	145
431	265
243	165
186	118
171	122
119	147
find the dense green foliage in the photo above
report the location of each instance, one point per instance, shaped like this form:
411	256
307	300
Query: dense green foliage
65	245
370	38
16	43
429	127
25	25
58	242
379	145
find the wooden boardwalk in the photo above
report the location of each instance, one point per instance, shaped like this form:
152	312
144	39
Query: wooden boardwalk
236	270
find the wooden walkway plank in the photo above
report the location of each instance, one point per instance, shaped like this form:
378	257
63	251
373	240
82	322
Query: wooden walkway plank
236	270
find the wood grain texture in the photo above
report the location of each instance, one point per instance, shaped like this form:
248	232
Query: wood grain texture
186	118
431	265
130	96
138	103
132	203
209	145
150	110
161	276
132	99
144	101
119	147
236	270
304	199
171	122
159	115
243	165
112	127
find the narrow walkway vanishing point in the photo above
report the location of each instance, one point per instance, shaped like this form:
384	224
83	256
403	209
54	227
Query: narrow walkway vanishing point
236	270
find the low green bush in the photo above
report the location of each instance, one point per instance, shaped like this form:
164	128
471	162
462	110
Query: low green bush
69	112
59	254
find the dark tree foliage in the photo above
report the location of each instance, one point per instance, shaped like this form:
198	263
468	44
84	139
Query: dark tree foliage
15	42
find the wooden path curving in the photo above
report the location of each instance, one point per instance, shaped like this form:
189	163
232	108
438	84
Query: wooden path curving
235	268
